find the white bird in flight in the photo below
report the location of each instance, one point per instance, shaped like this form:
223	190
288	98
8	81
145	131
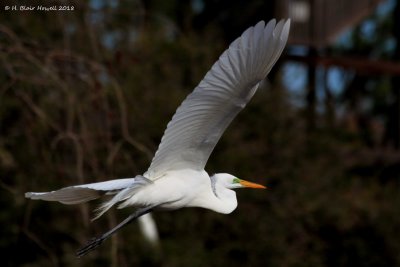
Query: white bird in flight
176	177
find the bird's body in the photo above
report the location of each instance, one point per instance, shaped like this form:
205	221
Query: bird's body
176	177
197	183
197	191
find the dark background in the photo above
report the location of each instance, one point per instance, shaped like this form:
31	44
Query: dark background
85	96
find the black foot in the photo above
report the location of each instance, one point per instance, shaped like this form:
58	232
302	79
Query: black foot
91	245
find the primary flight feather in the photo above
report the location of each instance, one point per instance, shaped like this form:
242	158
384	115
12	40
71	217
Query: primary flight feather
176	176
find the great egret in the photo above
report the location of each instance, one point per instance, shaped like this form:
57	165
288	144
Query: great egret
176	177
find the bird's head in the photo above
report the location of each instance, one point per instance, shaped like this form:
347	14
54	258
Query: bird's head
232	182
222	185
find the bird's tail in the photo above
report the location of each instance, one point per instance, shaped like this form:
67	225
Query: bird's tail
86	192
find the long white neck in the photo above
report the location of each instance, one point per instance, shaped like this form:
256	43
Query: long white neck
227	201
223	199
214	195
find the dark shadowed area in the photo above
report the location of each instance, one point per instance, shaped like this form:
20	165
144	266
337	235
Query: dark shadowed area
86	93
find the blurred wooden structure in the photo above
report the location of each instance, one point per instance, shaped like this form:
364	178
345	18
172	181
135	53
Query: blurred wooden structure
317	23
361	65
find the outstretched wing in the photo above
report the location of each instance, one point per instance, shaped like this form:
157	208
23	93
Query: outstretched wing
204	115
86	192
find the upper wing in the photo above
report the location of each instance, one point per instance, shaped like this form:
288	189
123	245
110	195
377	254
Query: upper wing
203	116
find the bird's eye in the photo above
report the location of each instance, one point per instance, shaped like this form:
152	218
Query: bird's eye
236	180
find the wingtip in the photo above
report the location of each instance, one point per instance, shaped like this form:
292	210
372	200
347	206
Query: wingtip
261	22
34	195
287	23
272	21
285	30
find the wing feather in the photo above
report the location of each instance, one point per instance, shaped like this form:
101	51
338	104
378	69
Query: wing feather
204	115
83	193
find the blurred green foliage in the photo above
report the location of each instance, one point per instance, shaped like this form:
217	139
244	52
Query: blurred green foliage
85	97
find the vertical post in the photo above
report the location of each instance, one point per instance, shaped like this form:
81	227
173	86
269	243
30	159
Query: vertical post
329	102
311	74
311	92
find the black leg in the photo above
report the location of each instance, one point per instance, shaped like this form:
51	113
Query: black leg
95	242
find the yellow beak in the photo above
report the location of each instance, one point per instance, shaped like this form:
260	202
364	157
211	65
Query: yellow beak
251	185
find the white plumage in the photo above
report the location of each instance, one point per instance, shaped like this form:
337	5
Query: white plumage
148	228
203	116
176	177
